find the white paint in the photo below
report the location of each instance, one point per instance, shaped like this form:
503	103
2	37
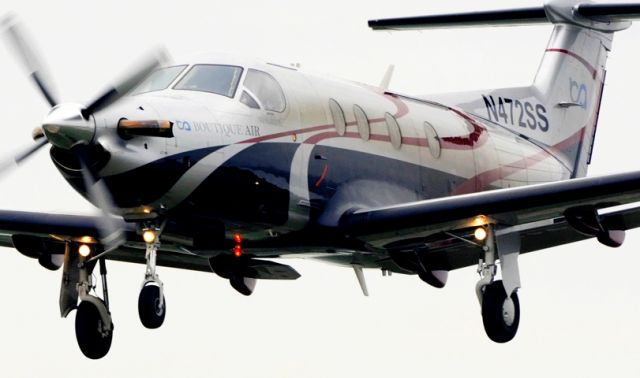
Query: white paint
320	325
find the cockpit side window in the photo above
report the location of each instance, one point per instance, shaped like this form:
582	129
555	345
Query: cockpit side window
248	100
266	91
159	79
213	78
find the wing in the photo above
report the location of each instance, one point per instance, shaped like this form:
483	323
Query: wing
43	235
543	216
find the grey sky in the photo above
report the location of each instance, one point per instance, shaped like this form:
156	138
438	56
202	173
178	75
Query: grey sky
580	303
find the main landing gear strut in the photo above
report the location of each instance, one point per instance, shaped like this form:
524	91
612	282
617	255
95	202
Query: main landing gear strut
94	327
499	298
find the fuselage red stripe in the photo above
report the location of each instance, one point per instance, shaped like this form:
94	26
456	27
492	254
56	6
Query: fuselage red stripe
322	176
482	181
582	60
401	110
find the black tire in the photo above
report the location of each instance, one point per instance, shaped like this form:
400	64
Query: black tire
149	309
91	341
495	325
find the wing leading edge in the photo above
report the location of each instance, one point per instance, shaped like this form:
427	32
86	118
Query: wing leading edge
537	213
37	234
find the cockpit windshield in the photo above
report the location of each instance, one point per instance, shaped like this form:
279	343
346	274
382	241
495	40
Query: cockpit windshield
213	78
159	79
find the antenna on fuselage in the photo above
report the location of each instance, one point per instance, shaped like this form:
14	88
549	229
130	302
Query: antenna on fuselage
386	79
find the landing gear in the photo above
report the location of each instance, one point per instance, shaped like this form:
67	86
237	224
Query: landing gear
94	327
93	335
151	306
499	298
151	303
500	315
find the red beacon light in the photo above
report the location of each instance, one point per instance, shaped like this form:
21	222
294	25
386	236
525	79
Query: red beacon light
237	250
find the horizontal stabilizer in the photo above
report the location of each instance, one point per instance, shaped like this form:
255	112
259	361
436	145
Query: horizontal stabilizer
509	17
617	12
553	11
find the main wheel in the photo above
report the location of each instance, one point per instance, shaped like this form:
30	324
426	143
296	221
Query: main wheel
500	315
150	309
94	342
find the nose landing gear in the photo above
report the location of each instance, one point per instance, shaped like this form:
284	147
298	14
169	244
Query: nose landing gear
151	306
151	302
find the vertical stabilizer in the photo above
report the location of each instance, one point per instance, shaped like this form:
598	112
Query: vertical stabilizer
569	85
559	111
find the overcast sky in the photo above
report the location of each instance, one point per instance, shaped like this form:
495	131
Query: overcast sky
580	303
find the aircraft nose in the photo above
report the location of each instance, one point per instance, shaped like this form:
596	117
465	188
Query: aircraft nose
65	126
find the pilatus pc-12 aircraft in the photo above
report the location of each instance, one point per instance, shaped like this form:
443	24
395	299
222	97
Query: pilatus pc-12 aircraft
331	170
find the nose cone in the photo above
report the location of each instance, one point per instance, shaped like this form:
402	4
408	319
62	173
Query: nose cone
66	127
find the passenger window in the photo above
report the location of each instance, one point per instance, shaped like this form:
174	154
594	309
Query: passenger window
266	90
218	79
363	122
338	117
394	131
434	141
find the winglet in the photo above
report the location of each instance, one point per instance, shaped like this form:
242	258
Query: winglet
360	276
386	79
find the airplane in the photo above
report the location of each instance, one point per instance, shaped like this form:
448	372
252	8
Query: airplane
223	164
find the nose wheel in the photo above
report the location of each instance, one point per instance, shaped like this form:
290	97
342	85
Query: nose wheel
151	306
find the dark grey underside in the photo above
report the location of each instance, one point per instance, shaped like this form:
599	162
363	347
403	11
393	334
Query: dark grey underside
369	235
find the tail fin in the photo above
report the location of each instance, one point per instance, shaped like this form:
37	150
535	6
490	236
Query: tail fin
569	86
560	109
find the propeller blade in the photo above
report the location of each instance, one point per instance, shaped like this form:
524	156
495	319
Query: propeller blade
22	156
25	49
110	229
126	84
30	151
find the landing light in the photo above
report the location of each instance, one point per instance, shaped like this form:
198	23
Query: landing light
86	239
480	220
149	236
84	250
480	233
